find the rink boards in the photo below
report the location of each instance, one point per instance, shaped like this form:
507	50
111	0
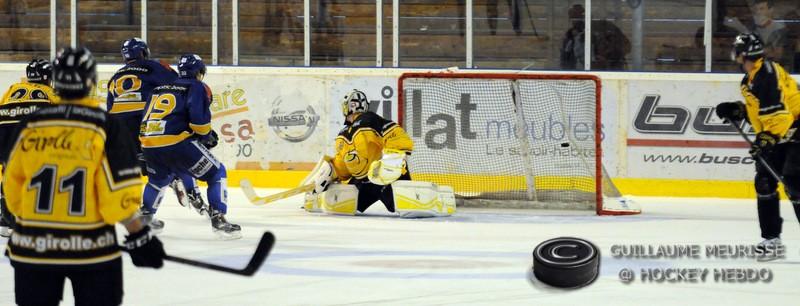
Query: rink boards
660	136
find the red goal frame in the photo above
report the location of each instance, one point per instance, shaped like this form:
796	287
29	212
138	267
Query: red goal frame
525	76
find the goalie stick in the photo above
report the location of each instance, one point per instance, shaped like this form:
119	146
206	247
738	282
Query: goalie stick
248	190
260	255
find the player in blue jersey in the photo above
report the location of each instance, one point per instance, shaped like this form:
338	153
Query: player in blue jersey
176	136
128	91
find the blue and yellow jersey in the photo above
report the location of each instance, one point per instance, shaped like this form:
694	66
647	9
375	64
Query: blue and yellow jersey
175	112
68	180
772	98
131	86
362	142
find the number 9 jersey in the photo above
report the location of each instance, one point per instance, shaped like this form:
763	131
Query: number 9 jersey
176	112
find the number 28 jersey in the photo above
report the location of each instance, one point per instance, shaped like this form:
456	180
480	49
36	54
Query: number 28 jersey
68	180
175	112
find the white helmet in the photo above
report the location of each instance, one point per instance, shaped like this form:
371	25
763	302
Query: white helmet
355	102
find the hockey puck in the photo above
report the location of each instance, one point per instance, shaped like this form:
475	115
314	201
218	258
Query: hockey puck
566	262
565	144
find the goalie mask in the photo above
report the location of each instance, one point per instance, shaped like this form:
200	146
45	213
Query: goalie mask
355	102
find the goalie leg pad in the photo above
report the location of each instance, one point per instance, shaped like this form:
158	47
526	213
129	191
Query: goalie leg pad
417	199
313	202
339	199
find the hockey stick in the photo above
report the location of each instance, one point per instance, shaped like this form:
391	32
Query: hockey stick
248	190
759	157
262	251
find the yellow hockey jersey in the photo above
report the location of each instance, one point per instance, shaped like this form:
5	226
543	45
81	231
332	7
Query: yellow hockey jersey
22	99
771	98
68	180
362	142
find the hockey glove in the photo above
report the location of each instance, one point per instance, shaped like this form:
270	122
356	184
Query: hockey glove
145	249
763	143
325	175
732	111
388	169
209	140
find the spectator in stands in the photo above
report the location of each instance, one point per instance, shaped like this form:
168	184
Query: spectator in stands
609	44
514	11
721	36
763	24
792	19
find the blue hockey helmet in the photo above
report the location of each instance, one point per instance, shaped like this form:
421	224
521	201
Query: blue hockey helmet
135	48
190	65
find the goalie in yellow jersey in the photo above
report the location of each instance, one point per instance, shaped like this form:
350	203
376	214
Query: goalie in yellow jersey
19	101
370	165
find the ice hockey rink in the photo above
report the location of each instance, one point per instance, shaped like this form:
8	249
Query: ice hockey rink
476	257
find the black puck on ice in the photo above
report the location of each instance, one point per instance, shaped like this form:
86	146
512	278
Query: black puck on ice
564	144
566	262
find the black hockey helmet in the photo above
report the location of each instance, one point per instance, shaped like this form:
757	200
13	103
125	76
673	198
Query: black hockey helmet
39	71
748	45
74	73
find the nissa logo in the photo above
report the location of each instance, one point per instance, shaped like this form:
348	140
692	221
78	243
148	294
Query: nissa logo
652	118
293	119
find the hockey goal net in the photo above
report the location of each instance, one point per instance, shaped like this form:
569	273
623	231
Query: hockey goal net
510	140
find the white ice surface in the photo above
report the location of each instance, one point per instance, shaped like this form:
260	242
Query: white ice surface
477	257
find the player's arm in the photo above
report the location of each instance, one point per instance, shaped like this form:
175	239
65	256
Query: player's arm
395	137
339	166
367	148
119	191
118	179
165	73
199	112
13	178
110	95
773	114
396	146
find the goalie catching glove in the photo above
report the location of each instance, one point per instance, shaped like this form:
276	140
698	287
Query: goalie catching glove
389	168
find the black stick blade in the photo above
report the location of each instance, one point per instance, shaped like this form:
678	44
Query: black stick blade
262	251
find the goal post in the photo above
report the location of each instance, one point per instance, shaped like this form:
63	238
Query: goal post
510	139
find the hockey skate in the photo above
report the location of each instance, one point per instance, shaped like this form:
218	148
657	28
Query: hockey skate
156	225
180	192
768	247
196	200
223	228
